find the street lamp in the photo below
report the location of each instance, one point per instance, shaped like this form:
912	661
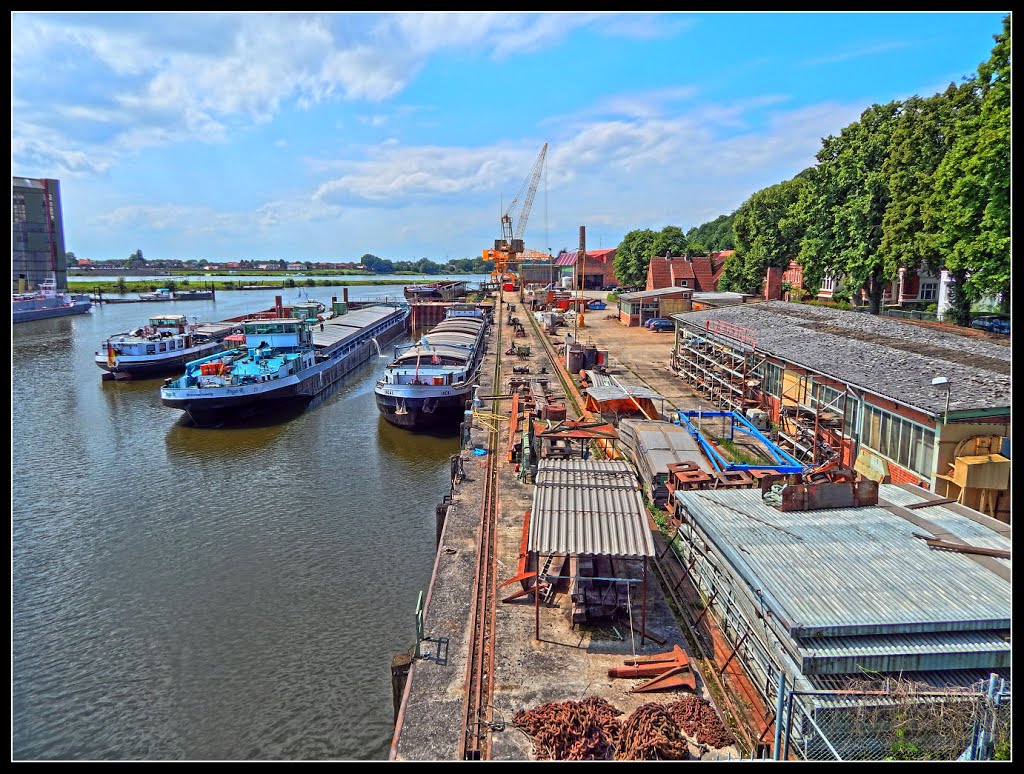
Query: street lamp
942	381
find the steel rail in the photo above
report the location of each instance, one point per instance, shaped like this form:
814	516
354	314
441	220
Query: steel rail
480	652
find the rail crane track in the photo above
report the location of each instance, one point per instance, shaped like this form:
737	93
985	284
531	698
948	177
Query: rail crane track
476	720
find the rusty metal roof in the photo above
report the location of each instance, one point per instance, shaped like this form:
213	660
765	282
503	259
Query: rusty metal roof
589	507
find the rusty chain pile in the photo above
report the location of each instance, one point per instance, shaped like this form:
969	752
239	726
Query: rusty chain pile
698	720
589	730
573	730
651	734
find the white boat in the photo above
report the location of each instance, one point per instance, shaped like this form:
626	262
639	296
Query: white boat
165	344
161	294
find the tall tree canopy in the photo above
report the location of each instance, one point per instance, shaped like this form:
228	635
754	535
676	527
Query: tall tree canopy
633	255
970	205
669	241
925	181
713	236
768	232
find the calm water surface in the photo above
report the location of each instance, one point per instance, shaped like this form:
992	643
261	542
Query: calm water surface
207	594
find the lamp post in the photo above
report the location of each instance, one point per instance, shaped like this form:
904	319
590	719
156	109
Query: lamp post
942	381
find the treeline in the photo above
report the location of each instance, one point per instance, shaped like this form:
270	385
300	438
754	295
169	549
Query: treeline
925	181
634	253
425	266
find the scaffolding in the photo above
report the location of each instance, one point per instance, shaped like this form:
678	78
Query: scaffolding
723	366
811	424
725	373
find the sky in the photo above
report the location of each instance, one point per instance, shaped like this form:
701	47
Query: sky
327	136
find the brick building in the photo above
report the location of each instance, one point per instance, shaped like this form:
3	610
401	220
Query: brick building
900	402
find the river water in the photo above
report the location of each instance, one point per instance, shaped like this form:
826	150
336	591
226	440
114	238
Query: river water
207	594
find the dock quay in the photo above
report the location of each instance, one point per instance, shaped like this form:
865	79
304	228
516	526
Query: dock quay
535	654
547	603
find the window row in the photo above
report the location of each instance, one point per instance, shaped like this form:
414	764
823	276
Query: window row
906	443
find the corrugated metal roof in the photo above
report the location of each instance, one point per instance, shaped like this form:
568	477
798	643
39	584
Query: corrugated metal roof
611	392
588	507
884	355
946	518
638	294
847	571
720	297
911	653
213	329
360	318
348	325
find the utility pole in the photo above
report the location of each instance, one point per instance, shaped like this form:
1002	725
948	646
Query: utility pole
583	277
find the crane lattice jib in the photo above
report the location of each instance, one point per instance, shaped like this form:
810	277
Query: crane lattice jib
534	180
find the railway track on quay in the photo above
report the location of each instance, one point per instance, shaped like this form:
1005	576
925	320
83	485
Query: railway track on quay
476	720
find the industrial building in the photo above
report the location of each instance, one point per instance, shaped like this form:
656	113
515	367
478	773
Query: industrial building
639	306
37	238
829	602
898	402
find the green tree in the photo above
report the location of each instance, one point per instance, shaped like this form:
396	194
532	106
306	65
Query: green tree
732	278
768	232
121	285
924	131
970	206
668	242
847	201
377	265
135	261
633	255
712	237
427	266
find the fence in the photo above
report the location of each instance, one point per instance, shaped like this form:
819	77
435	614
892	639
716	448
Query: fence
905	721
876	718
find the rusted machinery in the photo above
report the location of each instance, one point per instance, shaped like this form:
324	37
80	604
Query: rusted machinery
668	671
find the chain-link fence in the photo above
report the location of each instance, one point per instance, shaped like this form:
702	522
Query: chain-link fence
899	720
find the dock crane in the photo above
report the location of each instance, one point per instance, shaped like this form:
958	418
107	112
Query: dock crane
508	250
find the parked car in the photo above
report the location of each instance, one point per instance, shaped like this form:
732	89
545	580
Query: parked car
650	323
992	324
662	326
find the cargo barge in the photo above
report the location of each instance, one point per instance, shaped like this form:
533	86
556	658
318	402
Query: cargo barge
284	361
429	383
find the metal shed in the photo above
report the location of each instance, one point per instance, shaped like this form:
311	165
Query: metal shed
589	511
842	590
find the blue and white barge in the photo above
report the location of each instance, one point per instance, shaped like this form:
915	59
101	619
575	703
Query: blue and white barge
284	361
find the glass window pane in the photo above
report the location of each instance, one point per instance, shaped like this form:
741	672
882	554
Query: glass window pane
904	458
915	450
883	434
927	441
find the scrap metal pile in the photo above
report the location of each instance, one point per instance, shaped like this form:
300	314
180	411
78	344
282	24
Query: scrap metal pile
590	730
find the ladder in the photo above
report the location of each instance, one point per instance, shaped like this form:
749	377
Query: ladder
544	586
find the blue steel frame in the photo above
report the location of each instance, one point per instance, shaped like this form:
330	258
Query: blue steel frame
782	461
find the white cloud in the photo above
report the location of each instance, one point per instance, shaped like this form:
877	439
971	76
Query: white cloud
868	49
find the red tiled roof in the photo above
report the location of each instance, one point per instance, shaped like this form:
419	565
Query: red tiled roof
700	272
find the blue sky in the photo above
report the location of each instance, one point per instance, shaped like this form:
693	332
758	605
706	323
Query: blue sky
304	136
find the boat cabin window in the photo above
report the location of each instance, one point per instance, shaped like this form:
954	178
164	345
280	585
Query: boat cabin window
150	349
163	347
269	328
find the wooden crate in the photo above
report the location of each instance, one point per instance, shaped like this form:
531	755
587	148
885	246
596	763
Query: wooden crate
984	471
